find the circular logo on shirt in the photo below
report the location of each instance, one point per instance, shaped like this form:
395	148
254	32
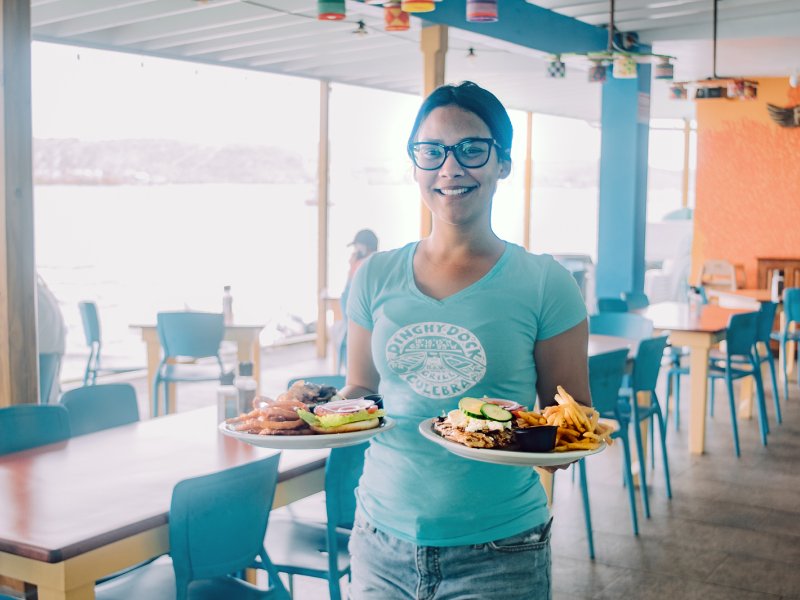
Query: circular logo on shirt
438	360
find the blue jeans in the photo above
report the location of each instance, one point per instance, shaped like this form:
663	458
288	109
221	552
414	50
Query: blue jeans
386	568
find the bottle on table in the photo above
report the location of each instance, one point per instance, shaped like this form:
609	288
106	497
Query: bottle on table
227	398
227	305
776	287
246	387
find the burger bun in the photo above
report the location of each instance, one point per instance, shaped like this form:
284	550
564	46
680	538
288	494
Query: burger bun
348	427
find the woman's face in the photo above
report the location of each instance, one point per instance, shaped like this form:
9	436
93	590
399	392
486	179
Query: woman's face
455	194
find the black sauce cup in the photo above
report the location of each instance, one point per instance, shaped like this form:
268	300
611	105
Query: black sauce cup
536	439
376	398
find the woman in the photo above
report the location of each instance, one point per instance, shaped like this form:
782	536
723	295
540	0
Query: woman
460	313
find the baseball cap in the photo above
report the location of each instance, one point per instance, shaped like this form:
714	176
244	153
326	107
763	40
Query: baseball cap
367	238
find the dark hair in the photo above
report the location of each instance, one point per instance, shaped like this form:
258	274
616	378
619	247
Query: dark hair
473	98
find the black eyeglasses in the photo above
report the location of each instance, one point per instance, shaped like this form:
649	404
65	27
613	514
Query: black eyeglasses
471	153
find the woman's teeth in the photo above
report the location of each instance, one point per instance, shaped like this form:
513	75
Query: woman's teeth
454	191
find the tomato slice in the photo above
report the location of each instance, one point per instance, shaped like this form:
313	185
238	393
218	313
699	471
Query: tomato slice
509	405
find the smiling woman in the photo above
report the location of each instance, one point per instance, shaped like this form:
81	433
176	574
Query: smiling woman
459	313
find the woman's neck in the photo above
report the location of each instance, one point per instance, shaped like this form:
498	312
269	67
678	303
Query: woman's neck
447	243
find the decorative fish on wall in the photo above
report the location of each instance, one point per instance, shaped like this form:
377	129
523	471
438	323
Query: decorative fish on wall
785	117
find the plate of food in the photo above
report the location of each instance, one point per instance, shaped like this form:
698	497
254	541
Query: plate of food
308	416
503	432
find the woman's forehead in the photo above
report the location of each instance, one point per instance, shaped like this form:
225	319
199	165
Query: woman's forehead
452	123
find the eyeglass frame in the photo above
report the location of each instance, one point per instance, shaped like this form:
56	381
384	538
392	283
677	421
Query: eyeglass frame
451	149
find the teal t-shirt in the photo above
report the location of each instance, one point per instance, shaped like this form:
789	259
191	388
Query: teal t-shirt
429	354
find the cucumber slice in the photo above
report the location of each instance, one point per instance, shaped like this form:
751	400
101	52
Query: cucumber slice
471	407
495	413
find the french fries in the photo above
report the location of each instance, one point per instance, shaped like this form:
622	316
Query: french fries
579	427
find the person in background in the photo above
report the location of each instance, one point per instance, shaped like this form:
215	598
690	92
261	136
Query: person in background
51	338
364	244
459	313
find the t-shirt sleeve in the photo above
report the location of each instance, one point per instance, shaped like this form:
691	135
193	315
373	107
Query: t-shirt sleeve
562	304
359	302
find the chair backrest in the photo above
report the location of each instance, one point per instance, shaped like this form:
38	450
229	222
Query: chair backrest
95	407
336	381
718	274
791	305
766	317
741	334
90	320
48	371
627	325
611	305
342	472
190	334
635	300
25	426
605	379
217	522
648	363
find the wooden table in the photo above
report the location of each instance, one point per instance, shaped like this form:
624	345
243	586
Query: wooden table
699	329
248	349
79	510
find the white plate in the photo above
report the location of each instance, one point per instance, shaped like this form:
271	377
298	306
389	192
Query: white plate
515	458
311	441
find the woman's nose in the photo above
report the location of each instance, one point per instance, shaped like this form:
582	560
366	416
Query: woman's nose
451	167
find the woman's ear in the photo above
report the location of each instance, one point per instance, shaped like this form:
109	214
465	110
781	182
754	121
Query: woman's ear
505	168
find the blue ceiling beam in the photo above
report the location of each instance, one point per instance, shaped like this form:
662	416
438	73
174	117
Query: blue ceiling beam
524	24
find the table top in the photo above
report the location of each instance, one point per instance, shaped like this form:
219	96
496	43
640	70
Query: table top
600	344
232	327
757	294
679	316
65	499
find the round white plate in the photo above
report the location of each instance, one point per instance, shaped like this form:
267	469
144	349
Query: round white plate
514	458
311	441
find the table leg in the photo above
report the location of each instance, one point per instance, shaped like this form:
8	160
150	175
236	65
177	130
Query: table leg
85	592
153	358
698	375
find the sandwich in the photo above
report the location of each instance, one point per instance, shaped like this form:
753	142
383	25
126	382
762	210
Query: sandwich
478	424
343	416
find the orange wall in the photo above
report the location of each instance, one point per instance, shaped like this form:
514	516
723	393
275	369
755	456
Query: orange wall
748	180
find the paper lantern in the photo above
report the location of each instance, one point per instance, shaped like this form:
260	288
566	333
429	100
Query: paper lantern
395	18
481	11
624	67
678	92
330	10
556	69
664	70
417	6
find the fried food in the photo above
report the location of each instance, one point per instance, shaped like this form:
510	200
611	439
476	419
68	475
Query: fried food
474	439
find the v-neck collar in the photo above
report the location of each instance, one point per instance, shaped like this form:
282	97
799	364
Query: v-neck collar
412	282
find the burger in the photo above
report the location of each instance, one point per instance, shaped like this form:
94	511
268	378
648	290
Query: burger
479	423
343	416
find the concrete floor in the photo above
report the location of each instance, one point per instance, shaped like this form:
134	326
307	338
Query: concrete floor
731	530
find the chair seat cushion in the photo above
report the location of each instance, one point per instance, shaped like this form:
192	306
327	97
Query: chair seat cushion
300	548
157	580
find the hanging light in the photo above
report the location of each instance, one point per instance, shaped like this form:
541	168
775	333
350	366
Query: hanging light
597	72
482	11
330	10
556	69
417	6
395	18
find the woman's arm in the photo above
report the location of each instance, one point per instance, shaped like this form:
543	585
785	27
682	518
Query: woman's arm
562	360
362	376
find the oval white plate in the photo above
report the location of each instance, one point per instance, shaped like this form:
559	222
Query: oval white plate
514	458
311	441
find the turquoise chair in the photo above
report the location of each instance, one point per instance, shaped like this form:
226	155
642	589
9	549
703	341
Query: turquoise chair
605	378
91	331
636	300
193	335
737	362
612	305
626	325
96	407
303	547
49	363
791	311
216	528
25	426
644	377
766	317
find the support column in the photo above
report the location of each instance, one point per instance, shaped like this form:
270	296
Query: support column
687	144
19	381
433	43
323	175
528	192
623	184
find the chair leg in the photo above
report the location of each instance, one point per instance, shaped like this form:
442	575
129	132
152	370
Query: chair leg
154	400
626	472
333	587
776	396
783	368
711	396
166	397
653	444
734	424
662	428
762	404
587	512
677	401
